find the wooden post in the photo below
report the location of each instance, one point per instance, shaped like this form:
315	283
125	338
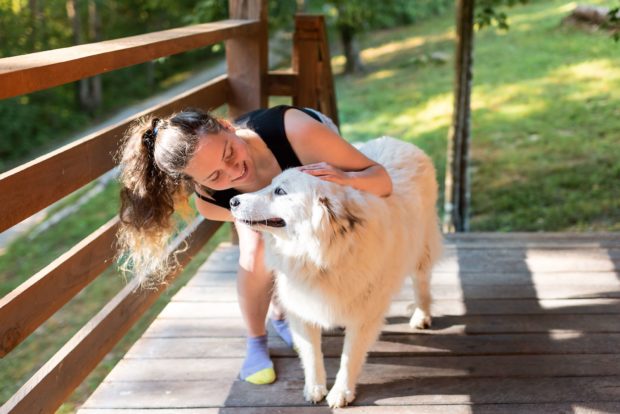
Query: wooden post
312	63
457	194
247	59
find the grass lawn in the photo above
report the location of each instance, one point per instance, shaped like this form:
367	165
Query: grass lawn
545	150
545	115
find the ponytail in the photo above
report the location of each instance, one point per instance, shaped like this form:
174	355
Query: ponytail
152	158
149	198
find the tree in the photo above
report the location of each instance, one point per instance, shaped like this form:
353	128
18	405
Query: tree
351	18
457	183
88	90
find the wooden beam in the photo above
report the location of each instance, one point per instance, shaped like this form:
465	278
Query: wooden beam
247	59
48	388
37	71
312	63
37	184
34	301
281	83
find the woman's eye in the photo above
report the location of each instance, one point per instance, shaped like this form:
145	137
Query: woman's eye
279	191
215	177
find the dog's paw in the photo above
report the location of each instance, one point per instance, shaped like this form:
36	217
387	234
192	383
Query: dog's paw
420	319
340	396
315	393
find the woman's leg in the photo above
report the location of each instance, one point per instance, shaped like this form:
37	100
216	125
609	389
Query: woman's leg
254	290
254	282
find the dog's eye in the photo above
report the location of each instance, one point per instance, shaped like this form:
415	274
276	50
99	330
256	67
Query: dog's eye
279	191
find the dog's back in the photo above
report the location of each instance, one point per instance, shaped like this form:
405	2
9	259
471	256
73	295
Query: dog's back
414	193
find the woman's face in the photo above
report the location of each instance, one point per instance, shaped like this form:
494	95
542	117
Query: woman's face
221	161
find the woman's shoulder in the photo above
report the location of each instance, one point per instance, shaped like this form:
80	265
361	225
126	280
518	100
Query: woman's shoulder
273	115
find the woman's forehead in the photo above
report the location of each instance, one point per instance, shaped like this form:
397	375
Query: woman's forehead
207	156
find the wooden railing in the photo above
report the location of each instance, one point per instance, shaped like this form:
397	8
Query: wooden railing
246	86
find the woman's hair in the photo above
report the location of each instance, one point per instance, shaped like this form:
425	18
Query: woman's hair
152	158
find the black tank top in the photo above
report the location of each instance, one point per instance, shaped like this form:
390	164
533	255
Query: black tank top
269	125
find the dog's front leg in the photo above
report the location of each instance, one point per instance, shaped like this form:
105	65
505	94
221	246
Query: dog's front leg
307	339
357	341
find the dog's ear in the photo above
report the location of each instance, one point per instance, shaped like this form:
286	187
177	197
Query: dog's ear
336	216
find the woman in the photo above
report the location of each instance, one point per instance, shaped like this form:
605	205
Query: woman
164	160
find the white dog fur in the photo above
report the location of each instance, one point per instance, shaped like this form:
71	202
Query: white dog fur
339	256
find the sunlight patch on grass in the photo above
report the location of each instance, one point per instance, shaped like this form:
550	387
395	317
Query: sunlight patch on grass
601	71
513	101
520	16
431	115
374	53
381	74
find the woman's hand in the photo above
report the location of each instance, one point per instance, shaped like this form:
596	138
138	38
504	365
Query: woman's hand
327	172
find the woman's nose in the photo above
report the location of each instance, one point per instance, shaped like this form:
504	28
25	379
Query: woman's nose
235	170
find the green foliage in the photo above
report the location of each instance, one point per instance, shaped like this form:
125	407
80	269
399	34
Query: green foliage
614	20
488	14
362	15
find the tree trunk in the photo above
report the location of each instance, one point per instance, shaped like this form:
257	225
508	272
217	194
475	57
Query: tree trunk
457	194
35	18
150	74
73	12
353	62
94	31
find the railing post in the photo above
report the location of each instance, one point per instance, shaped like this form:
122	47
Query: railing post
246	57
312	63
247	60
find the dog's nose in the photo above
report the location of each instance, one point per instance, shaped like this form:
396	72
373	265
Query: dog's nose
234	202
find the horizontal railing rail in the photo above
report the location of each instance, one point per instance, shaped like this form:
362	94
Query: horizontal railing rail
29	73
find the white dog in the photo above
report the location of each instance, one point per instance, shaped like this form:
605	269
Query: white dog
340	254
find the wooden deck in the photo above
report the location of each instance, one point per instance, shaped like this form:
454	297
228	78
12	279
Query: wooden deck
523	323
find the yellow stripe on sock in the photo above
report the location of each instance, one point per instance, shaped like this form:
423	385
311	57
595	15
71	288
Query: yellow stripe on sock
264	376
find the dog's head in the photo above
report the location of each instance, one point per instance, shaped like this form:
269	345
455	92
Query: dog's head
298	207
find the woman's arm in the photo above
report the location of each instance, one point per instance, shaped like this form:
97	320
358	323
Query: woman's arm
327	155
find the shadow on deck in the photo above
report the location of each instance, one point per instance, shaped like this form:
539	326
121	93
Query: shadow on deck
523	323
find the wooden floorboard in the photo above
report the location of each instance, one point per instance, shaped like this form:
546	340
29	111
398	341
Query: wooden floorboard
523	323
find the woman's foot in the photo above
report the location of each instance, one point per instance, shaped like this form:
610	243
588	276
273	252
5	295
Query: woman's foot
257	367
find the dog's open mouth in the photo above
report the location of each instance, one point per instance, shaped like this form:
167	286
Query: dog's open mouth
271	222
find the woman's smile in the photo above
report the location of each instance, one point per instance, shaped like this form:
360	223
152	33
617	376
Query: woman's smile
244	173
